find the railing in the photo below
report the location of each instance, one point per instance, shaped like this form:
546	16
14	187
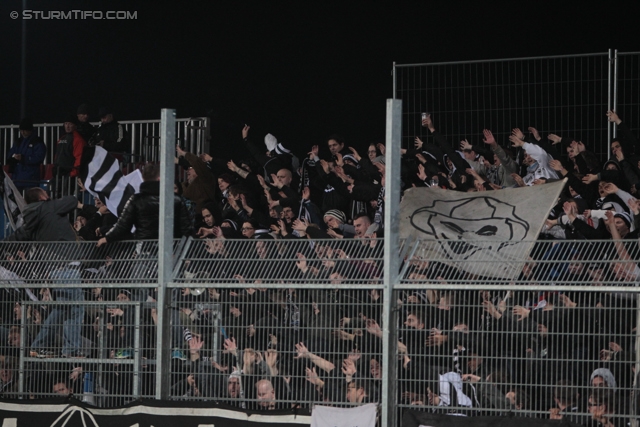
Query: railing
566	95
301	320
191	133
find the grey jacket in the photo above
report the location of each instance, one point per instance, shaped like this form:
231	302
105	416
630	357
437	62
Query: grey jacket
47	221
506	168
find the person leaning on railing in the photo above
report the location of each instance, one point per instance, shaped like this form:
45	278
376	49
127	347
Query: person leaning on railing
46	220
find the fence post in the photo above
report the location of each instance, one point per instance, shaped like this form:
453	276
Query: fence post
393	76
206	137
636	373
391	259
165	249
612	104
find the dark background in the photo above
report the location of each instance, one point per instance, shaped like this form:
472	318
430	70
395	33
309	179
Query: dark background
299	70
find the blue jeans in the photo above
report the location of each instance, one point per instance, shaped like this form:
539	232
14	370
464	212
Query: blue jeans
70	317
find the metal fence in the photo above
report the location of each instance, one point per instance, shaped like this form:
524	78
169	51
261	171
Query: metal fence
627	90
280	323
550	343
191	133
565	95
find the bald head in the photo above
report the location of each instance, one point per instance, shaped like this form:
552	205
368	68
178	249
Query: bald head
265	393
285	177
361	223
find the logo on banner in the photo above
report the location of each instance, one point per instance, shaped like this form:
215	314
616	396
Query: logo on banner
70	412
493	225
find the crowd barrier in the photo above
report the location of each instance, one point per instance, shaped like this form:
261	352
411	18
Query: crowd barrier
193	134
306	315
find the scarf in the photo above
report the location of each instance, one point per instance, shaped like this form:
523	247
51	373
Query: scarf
378	218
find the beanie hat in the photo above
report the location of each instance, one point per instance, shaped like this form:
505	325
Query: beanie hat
625	217
83	109
71	119
613	162
337	214
270	141
350	157
26	124
607	376
232	223
281	150
104	111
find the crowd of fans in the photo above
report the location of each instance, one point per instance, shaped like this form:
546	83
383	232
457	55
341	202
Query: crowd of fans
320	219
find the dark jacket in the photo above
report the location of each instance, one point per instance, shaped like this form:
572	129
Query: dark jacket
69	153
33	151
203	188
143	211
86	130
47	221
114	137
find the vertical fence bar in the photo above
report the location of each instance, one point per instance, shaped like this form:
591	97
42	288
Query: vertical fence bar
636	373
611	103
206	136
102	354
393	74
23	343
613	84
133	143
23	66
137	348
165	246
391	261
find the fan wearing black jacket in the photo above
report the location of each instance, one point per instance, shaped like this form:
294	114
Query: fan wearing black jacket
143	211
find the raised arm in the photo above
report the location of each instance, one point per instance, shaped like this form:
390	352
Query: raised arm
304	353
506	161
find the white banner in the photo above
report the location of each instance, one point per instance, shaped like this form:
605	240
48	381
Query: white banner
486	233
359	416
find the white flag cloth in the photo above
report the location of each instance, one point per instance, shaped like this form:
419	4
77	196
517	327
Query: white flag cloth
488	233
127	186
13	202
105	178
359	416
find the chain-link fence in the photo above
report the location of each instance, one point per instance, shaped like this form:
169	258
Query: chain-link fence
627	90
564	95
280	318
558	341
269	323
81	320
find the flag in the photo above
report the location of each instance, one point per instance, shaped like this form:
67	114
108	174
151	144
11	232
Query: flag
14	203
105	178
487	233
127	186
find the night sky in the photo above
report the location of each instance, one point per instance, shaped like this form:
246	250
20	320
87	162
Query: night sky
299	70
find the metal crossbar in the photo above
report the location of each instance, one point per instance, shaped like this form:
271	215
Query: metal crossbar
281	263
26	264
